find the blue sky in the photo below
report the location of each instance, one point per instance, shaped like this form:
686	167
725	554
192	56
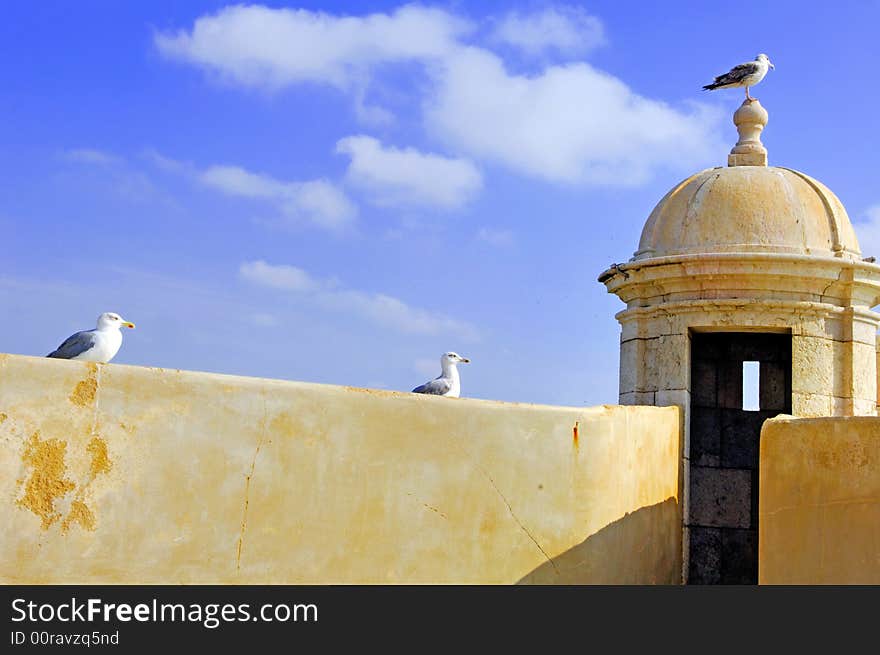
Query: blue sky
339	192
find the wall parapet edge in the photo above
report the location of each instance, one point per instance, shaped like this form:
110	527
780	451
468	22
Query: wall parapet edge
124	474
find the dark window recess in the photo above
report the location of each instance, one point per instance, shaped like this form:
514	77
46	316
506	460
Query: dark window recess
724	435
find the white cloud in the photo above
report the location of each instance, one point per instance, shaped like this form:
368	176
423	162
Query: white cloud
324	201
270	48
167	164
868	232
392	312
236	181
318	201
406	177
368	114
569	30
572	123
377	308
277	276
117	176
567	123
497	238
91	156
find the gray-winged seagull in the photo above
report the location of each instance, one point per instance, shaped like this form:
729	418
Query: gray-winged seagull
448	382
98	345
747	74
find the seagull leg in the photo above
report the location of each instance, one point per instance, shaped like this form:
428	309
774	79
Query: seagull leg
749	98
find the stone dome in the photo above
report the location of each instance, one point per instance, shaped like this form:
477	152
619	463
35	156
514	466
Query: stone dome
749	207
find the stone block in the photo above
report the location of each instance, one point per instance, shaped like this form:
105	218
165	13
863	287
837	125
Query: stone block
811	404
628	330
864	407
842	406
720	497
704	383
740	433
864	373
631	363
813	365
666	363
730	384
758	347
685	489
708	345
739	556
864	332
705	437
637	398
704	555
747	159
775	388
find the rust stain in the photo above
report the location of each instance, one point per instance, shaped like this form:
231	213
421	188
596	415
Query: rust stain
574	434
3	418
84	392
47	482
79	513
101	463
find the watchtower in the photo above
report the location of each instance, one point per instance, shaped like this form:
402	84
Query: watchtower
744	263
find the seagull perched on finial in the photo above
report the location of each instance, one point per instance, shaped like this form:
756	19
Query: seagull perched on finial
448	382
98	345
747	74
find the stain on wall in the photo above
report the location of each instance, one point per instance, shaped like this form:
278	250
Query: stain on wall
97	448
79	513
47	482
84	392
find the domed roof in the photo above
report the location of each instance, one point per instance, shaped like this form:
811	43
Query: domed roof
749	208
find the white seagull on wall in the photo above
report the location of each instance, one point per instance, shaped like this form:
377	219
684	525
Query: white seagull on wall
448	382
98	345
747	74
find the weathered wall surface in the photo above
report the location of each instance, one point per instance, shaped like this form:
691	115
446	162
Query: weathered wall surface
820	501
118	474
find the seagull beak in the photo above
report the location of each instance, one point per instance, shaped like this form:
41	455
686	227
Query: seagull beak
771	65
465	360
127	324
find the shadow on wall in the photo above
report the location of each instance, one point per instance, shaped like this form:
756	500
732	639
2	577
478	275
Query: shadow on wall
645	541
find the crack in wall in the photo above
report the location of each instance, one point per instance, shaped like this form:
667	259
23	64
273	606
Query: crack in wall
831	284
519	523
509	508
247	489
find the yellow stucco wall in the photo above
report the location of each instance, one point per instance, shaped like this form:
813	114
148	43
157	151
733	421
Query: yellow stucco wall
120	474
819	503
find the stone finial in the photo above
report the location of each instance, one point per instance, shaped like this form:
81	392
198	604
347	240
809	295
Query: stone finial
750	120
